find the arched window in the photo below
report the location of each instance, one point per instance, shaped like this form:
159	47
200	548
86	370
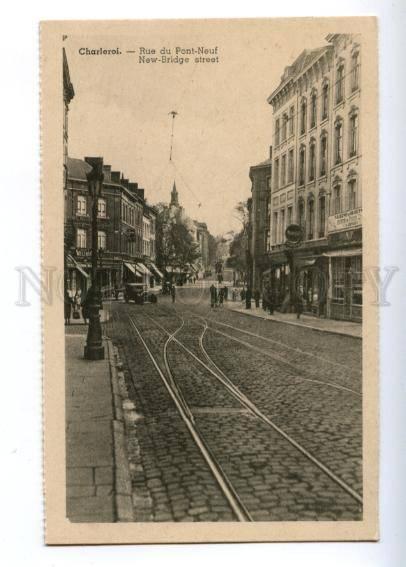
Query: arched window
338	141
310	219
301	213
336	199
276	174
313	109
323	154
277	132
302	165
340	83
324	101
283	171
290	165
285	120
322	216
352	193
291	120
303	112
312	160
353	133
355	71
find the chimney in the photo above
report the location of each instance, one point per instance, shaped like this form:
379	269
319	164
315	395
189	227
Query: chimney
140	193
133	187
124	182
107	173
115	176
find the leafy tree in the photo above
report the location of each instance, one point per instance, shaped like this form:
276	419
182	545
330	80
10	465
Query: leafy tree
175	244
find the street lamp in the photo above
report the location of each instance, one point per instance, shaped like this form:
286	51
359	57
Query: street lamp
94	349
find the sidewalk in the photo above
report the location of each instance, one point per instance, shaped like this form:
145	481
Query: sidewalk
346	328
98	486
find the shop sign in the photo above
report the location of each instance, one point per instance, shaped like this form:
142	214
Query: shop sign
345	221
294	235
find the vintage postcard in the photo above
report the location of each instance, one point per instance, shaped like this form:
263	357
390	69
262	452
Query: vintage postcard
210	213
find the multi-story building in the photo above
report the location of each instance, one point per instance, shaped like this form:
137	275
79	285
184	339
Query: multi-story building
149	246
259	241
202	237
120	229
316	179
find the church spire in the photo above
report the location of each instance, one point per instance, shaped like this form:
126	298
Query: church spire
174	196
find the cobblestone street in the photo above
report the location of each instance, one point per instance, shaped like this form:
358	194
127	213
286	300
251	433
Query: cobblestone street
229	417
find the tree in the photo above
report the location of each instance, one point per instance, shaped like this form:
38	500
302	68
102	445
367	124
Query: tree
238	257
175	244
212	249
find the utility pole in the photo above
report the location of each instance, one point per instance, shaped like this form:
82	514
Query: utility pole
173	113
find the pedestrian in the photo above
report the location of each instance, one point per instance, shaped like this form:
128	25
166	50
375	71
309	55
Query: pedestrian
257	296
212	296
86	305
299	305
242	294
225	291
173	293
248	296
265	303
221	297
271	300
116	292
67	307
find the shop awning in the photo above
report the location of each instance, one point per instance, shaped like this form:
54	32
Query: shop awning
143	269
338	253
72	260
156	270
132	269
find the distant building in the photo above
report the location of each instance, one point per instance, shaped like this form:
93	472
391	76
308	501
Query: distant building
259	241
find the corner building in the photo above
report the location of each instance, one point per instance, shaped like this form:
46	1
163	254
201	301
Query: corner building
317	179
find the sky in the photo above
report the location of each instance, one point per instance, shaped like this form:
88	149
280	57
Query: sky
224	124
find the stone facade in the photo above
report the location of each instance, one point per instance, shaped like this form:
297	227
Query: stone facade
261	180
317	179
122	255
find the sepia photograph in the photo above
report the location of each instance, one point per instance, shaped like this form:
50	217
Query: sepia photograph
210	203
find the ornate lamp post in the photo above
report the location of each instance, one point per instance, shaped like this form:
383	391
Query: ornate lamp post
94	349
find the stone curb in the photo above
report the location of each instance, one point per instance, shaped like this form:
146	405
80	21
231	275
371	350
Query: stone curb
329	331
122	479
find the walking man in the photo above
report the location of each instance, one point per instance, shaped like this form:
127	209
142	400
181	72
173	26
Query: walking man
212	295
173	293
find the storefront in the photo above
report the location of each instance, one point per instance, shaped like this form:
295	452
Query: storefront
77	276
279	280
345	289
311	282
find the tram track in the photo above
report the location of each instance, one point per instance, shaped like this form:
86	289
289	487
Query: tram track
280	360
221	377
240	511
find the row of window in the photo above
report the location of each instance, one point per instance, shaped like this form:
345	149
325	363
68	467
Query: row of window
81	239
306	219
284	126
133	245
130	214
81	207
284	166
